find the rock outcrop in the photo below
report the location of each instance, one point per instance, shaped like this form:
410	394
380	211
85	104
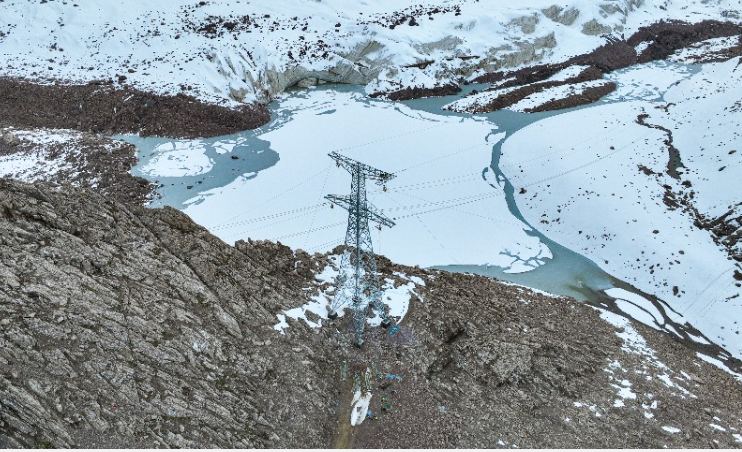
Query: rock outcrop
122	326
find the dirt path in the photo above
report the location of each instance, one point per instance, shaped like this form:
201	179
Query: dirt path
345	432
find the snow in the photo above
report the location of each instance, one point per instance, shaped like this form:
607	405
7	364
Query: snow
179	159
282	324
647	81
633	342
397	296
698	50
446	211
167	46
536	100
359	407
648	407
638	307
720	365
671	429
475	102
600	192
718	427
568	73
398	299
45	153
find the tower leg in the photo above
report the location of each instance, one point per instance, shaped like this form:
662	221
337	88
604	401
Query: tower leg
381	311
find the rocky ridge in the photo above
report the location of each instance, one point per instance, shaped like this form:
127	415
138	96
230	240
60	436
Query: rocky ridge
651	43
123	326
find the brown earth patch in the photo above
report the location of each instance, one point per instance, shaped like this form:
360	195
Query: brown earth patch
103	108
587	96
515	96
668	36
86	160
665	37
418	93
124	326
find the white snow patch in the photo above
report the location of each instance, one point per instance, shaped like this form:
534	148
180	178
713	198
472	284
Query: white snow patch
638	307
178	159
671	429
396	297
691	53
720	365
282	324
538	99
359	407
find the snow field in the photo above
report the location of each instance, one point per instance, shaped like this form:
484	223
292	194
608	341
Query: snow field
178	159
228	52
602	192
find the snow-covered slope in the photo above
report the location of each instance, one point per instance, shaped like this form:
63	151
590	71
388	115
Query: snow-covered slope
631	188
227	51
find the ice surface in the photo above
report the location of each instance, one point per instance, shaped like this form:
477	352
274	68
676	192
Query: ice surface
445	211
178	159
602	192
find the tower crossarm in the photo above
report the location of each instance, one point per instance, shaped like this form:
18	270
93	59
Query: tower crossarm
377	175
368	211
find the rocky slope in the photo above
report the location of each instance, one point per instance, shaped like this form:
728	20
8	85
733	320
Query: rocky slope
122	326
101	107
75	158
544	84
230	53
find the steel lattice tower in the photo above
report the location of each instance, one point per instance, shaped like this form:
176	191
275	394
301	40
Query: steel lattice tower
358	283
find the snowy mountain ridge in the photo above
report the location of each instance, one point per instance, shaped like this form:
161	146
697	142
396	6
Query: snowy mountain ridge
230	52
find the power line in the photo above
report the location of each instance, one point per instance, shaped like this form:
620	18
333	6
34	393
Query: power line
268	217
282	193
270	224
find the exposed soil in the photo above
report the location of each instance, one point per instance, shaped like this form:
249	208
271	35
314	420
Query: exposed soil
587	96
103	108
664	37
716	56
511	98
418	93
668	36
673	161
726	230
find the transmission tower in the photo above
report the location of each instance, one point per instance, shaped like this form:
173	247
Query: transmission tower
358	283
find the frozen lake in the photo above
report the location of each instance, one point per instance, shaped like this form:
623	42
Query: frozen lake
453	206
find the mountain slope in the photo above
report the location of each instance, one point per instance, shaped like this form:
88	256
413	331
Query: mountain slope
124	326
229	53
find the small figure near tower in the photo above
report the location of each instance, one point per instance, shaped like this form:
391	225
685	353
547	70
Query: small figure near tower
358	283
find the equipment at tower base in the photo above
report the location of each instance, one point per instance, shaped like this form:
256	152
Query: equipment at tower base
358	282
